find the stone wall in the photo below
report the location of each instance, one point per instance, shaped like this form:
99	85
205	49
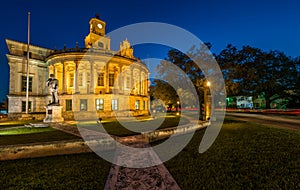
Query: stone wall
35	116
165	133
52	148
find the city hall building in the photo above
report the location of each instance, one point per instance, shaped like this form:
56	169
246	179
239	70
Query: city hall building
92	80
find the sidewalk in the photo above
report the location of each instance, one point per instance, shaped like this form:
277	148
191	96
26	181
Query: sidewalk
155	177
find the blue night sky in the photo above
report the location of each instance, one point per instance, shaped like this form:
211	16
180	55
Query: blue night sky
266	24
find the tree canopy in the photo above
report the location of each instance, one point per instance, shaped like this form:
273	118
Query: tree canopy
248	71
253	72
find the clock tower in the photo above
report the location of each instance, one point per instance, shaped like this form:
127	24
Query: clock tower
97	38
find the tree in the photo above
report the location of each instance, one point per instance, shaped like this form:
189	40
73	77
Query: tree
252	72
162	91
188	72
178	74
229	63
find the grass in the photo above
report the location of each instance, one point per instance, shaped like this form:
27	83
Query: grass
25	130
27	135
244	156
82	171
6	124
32	135
117	128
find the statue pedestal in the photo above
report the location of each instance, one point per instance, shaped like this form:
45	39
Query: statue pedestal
53	114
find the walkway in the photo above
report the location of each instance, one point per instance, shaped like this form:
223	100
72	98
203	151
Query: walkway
155	177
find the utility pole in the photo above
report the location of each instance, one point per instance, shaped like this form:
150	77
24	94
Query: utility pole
27	69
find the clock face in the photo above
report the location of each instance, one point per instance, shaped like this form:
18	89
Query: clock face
99	25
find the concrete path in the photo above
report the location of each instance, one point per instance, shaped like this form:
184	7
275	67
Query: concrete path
67	128
155	177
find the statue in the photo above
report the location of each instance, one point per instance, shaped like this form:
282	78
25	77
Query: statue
52	84
125	49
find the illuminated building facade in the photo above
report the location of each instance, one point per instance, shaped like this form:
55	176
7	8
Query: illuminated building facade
92	80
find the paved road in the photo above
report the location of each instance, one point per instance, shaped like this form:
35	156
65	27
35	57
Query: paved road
279	121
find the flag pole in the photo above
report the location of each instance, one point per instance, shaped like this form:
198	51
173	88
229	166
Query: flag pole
27	69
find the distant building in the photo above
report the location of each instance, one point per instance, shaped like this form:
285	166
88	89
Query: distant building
244	102
93	79
257	102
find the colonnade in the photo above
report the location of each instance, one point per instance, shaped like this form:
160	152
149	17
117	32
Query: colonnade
67	72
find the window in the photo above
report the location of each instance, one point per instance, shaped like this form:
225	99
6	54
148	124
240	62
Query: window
69	105
111	79
99	104
137	104
114	104
100	79
24	84
71	79
83	104
24	106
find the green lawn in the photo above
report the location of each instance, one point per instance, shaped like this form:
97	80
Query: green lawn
32	135
117	129
82	171
14	123
244	156
25	130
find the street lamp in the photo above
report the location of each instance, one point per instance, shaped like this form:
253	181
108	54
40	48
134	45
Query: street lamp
207	83
207	101
177	108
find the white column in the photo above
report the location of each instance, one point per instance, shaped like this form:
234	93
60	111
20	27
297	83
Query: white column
107	77
76	76
92	83
64	89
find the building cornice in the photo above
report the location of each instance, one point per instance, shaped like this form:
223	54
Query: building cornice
15	42
19	59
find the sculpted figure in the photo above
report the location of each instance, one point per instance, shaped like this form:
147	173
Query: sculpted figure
52	84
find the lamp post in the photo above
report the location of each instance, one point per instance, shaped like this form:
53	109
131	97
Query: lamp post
27	67
177	108
207	101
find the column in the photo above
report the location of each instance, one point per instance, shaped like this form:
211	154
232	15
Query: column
107	77
92	83
76	77
54	70
51	70
143	84
64	89
120	79
132	90
140	82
